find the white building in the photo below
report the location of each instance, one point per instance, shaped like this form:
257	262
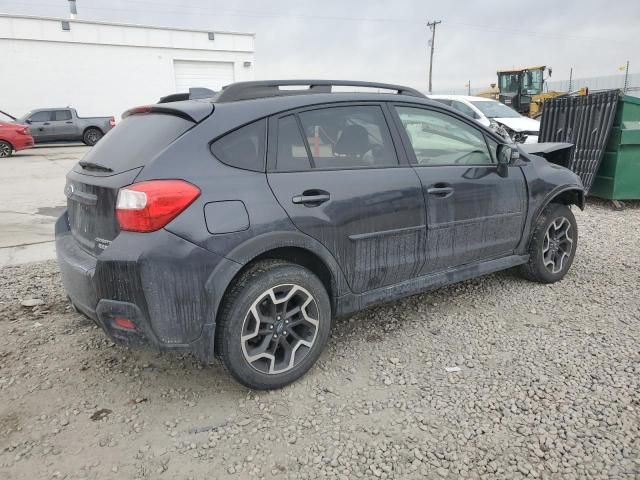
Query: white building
105	68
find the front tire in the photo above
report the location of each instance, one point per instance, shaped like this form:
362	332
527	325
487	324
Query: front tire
553	245
273	325
5	149
91	136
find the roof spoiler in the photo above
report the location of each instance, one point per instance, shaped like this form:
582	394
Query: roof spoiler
194	94
192	111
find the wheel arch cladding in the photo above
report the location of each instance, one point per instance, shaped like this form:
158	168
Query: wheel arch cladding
92	127
570	196
326	271
565	196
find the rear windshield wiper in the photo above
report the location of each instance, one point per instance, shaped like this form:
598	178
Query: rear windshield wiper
94	166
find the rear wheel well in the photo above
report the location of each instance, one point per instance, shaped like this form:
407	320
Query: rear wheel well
304	258
297	255
92	127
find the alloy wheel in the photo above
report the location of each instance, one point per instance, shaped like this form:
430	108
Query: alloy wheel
557	245
280	329
5	149
93	137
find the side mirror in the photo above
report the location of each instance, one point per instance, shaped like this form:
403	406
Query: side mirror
505	155
28	121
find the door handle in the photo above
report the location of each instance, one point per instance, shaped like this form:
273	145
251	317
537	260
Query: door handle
442	190
68	121
311	198
46	123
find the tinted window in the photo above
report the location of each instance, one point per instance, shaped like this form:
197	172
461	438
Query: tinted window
292	153
439	139
136	140
61	115
493	148
348	137
40	117
461	107
243	148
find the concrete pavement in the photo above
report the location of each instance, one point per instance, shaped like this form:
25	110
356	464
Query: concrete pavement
31	198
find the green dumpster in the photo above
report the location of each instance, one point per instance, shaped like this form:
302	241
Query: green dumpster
618	177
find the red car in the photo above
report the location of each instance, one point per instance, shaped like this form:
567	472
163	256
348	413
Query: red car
13	136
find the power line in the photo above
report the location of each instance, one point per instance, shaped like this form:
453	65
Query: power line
238	13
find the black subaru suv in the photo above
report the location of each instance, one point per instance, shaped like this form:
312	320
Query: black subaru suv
239	225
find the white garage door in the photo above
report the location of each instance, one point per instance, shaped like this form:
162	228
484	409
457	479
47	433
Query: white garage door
213	75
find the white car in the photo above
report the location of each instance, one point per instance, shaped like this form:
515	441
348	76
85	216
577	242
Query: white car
492	113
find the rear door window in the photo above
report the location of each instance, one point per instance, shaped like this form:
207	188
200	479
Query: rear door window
62	115
348	137
243	148
292	151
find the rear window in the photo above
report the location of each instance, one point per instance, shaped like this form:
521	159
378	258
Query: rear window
442	100
243	148
136	140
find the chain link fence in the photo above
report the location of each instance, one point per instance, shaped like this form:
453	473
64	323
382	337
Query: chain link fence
608	82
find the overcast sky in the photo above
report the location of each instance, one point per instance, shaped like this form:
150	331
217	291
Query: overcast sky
387	41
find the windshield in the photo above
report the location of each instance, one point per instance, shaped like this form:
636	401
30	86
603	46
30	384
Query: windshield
23	118
495	109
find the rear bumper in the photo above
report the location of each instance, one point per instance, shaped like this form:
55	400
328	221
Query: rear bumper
22	142
162	283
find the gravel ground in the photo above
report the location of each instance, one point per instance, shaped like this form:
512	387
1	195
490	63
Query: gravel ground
492	378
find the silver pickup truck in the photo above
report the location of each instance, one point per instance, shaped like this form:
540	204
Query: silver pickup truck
64	124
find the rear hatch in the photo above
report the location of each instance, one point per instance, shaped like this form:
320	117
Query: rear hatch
93	184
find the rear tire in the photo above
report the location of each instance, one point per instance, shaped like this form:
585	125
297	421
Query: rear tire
273	325
5	149
91	136
553	245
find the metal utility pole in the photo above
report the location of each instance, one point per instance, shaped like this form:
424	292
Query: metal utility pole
570	79
626	78
432	26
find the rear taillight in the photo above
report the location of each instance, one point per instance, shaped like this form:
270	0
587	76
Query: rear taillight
149	206
112	122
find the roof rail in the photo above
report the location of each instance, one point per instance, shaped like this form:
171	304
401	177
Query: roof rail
194	94
271	88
